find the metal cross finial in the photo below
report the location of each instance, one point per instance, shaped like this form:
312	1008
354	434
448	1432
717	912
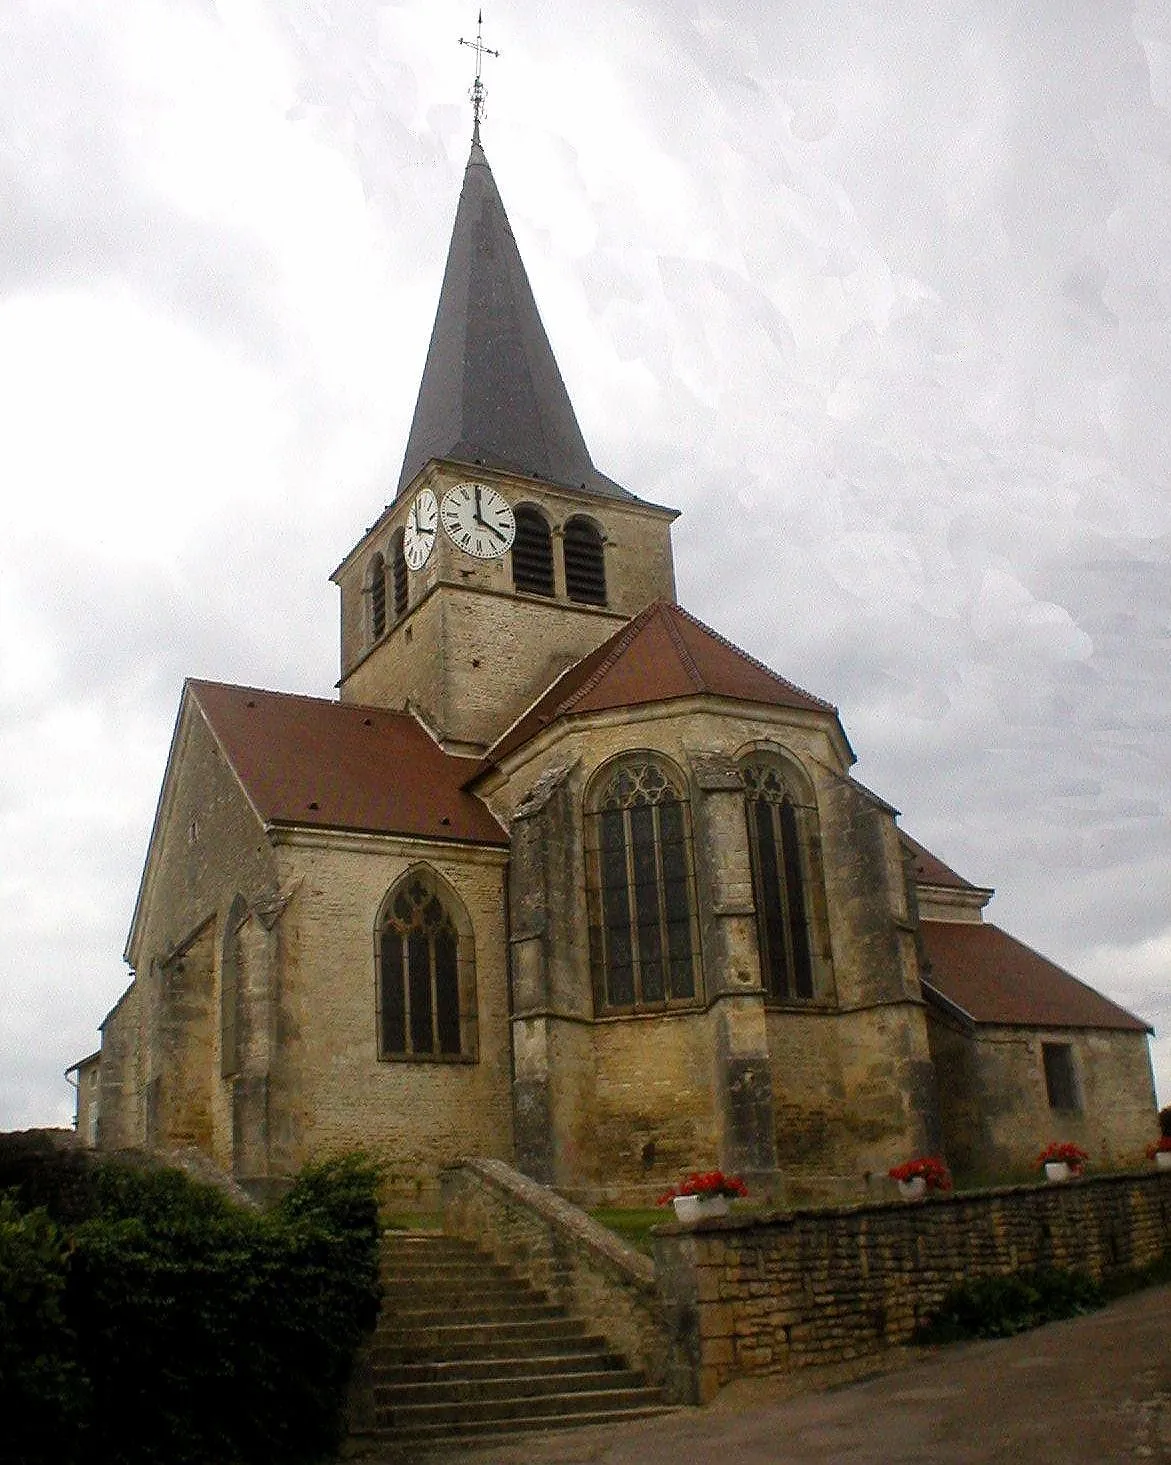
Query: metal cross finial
477	91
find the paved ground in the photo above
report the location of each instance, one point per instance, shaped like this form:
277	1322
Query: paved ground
1092	1390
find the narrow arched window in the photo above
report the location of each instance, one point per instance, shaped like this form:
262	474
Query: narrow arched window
399	575
425	981
585	564
532	553
644	941
377	589
778	882
230	1036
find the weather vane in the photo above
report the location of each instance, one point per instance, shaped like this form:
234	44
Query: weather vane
477	91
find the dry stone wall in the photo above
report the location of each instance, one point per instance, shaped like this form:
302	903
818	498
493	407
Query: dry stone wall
790	1291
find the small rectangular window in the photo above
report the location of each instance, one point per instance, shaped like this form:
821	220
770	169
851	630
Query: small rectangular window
1061	1083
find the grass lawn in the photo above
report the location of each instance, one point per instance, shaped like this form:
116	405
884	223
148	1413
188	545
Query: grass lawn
633	1225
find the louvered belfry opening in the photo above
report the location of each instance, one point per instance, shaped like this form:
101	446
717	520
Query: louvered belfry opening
532	553
377	597
585	564
400	576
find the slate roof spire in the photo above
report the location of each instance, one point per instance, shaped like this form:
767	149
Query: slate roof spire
491	391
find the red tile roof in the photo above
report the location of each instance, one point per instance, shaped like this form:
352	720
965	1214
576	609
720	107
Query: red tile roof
997	980
662	654
334	765
929	869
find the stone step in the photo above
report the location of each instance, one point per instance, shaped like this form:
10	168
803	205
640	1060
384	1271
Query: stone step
415	1274
406	1445
466	1414
470	1370
465	1351
507	1386
409	1317
469	1339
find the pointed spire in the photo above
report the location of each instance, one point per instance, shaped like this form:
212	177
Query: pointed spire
491	392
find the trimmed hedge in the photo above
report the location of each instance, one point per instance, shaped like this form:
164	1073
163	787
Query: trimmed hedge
192	1331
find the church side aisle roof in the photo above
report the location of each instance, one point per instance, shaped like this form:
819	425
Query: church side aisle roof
491	390
995	980
309	762
663	654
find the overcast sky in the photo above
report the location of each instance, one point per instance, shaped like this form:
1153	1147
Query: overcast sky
877	293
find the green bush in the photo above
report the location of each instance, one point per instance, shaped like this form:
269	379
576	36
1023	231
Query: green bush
207	1334
42	1390
998	1307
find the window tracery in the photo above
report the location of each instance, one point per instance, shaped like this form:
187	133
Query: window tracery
779	882
643	929
421	950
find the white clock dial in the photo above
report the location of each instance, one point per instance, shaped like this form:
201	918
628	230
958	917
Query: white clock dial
421	526
478	520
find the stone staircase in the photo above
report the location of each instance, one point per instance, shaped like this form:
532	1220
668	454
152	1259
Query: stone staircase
464	1351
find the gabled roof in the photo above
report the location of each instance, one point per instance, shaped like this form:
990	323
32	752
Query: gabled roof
994	980
308	762
491	392
661	655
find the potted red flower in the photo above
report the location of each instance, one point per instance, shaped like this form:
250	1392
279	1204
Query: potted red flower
1160	1152
1062	1160
702	1194
917	1177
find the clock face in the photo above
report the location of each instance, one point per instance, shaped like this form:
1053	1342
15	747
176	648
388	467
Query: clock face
478	520
419	533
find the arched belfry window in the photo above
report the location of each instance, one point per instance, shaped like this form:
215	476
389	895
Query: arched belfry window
426	976
643	935
532	552
399	575
585	564
377	588
780	880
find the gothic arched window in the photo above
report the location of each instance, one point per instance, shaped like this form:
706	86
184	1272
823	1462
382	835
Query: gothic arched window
377	588
585	563
426	985
644	939
399	575
532	553
779	882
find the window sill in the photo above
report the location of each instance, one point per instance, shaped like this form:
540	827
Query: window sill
440	1058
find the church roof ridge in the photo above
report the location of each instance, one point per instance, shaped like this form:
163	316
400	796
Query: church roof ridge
491	391
673	668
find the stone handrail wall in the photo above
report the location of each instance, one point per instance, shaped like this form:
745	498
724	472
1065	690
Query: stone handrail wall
580	1265
781	1292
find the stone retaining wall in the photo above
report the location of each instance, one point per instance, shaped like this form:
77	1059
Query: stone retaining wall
580	1265
775	1293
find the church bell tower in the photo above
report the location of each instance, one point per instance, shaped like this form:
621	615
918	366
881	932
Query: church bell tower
505	555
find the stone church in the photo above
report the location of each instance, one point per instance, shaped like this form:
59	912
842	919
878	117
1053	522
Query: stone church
563	877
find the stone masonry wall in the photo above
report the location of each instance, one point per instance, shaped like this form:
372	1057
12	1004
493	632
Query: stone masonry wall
779	1293
561	1251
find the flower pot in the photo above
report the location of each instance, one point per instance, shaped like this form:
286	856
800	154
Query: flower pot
699	1207
1057	1170
1163	1159
913	1189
